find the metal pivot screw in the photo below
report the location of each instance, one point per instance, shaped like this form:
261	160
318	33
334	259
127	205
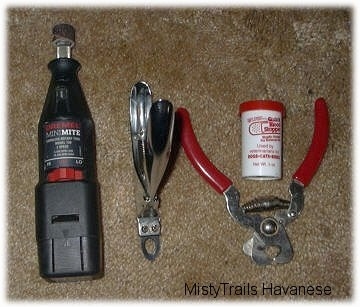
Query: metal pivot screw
292	213
154	227
63	40
269	226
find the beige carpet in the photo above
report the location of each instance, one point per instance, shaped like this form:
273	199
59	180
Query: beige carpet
208	60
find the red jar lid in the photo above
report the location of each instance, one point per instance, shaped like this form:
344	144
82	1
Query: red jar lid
262	105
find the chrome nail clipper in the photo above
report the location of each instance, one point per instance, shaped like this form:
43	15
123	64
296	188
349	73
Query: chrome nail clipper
151	125
269	231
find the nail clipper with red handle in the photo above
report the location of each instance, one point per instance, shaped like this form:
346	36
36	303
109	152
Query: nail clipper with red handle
271	230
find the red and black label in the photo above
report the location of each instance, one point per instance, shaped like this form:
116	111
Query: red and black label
63	145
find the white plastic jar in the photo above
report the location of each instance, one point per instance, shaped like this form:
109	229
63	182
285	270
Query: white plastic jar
261	139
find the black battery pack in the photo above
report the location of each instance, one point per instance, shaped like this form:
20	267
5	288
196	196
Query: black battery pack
68	230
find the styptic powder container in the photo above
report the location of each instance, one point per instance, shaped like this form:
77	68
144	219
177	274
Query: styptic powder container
261	139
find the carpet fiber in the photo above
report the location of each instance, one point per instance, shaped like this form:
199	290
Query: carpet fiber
208	60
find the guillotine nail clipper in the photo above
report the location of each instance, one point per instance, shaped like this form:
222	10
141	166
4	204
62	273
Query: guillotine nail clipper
269	231
151	126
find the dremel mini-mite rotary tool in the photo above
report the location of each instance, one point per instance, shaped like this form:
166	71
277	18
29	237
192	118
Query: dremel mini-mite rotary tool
68	224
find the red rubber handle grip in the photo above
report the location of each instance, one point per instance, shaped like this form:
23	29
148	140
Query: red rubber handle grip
197	157
319	142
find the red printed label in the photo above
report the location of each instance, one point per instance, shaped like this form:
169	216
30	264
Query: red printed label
63	145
